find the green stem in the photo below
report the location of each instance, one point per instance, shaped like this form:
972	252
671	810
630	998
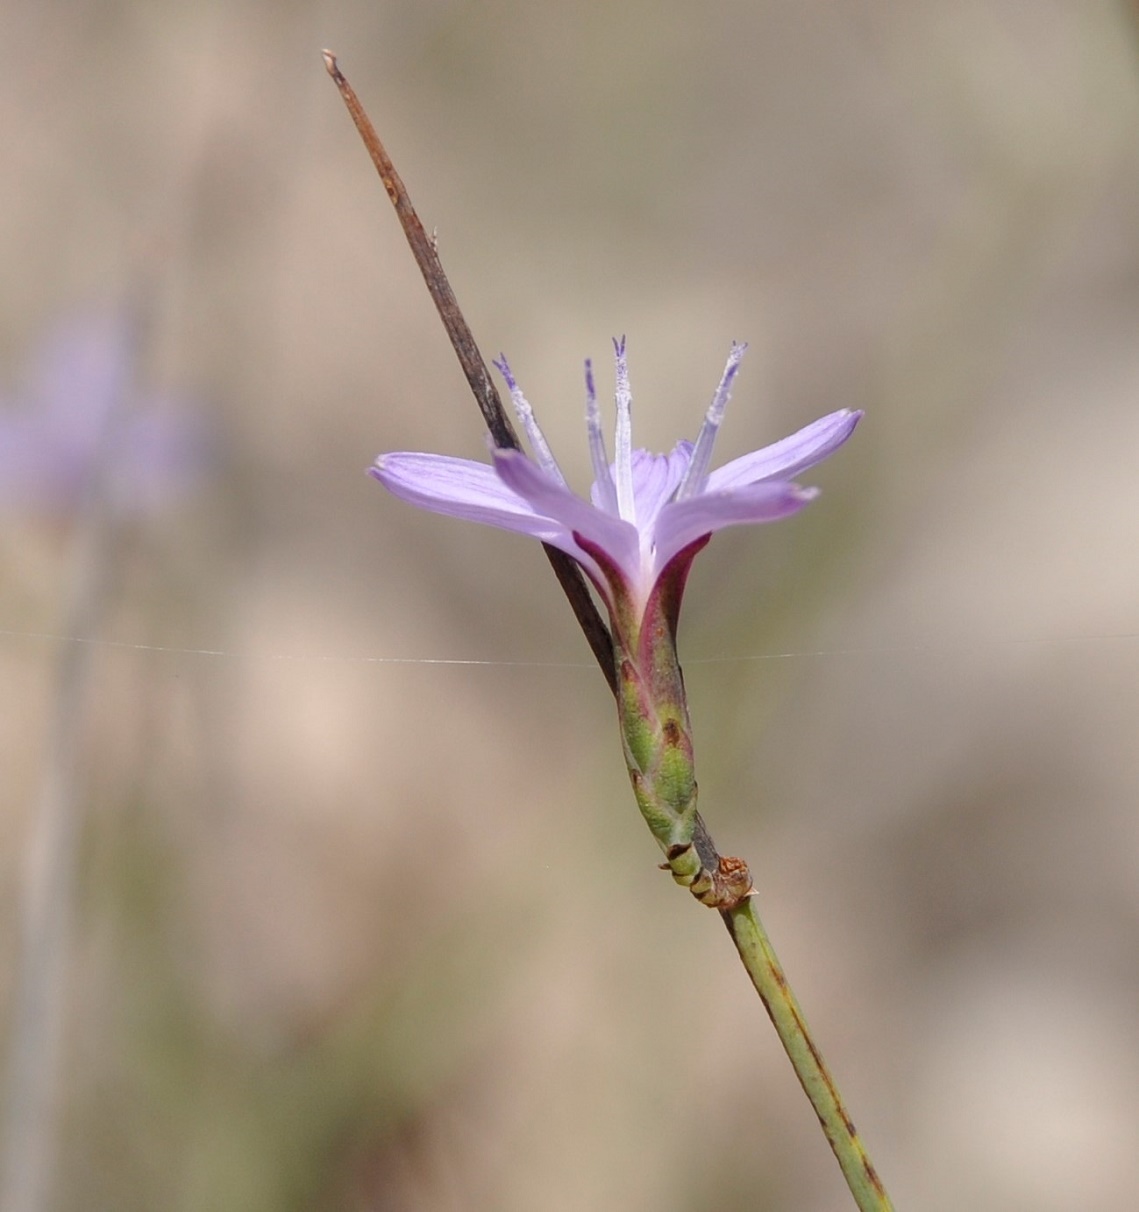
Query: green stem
770	983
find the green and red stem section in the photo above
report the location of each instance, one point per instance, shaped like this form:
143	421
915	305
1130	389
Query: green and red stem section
657	740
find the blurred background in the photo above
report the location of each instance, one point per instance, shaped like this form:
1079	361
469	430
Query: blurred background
356	928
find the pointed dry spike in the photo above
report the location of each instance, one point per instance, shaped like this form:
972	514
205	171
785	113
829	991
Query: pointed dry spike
427	258
424	249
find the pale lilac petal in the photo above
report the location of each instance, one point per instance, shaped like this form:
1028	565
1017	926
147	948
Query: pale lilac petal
551	500
785	459
462	488
655	480
683	522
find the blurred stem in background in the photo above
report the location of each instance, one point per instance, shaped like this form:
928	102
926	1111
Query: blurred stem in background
638	657
35	1045
81	453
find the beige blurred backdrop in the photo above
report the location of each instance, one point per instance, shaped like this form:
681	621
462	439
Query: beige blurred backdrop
358	929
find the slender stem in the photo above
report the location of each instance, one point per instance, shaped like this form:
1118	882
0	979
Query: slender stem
486	395
770	983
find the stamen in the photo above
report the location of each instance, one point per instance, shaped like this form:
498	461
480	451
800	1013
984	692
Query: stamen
602	476
626	505
697	474
541	448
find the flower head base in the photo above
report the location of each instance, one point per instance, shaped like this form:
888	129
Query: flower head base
647	515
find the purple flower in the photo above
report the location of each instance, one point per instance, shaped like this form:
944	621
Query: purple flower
77	411
648	514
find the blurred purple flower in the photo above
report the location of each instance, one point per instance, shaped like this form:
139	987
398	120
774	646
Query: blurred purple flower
79	409
648	514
